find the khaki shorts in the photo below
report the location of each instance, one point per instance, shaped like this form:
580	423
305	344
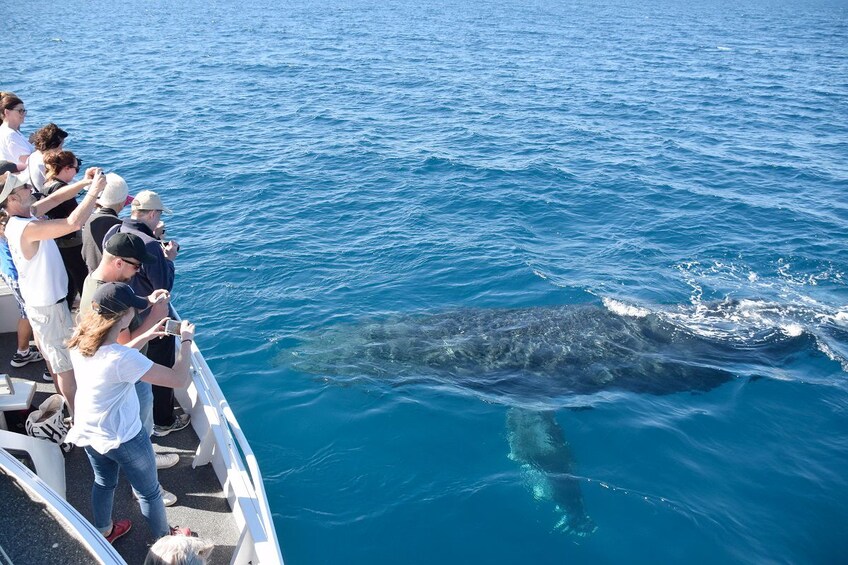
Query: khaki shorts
52	327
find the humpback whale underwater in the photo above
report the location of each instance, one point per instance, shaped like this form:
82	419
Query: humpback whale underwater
537	360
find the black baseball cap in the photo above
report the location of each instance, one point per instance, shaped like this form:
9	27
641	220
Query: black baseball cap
116	298
128	245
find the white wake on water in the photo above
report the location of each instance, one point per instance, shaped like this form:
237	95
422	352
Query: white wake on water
623	309
788	307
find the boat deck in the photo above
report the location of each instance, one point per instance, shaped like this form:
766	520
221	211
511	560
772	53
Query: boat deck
201	504
44	539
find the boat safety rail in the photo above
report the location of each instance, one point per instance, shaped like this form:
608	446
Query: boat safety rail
205	375
238	460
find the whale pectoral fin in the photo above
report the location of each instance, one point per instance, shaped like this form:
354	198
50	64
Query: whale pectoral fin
580	526
566	492
536	440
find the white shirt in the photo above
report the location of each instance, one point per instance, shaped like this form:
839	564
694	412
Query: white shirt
13	144
36	170
106	404
43	279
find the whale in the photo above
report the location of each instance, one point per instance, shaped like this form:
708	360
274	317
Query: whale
538	360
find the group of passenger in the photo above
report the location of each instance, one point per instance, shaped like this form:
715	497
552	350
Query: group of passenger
114	365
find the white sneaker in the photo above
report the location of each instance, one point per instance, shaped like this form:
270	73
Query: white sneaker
166	460
180	422
168	498
31	356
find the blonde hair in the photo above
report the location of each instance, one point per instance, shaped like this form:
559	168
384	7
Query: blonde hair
91	332
179	550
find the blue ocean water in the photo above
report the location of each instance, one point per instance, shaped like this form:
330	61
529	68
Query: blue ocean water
335	166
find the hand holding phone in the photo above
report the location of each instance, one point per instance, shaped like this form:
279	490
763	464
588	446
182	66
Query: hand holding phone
172	327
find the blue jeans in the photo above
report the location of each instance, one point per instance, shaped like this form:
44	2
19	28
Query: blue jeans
144	391
135	458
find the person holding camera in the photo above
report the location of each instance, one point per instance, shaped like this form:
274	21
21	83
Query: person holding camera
107	422
41	273
62	166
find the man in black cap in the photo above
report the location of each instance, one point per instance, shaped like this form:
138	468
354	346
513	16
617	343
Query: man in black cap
123	256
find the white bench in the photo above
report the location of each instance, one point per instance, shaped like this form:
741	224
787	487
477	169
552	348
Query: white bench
21	399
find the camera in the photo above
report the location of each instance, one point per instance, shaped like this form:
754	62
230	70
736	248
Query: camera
172	327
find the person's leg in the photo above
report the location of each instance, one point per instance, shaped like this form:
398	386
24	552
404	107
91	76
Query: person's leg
76	269
24	327
144	391
24	334
53	326
163	405
139	465
103	490
66	385
162	351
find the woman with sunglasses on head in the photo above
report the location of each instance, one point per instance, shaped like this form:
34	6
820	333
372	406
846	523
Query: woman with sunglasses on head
59	202
106	421
14	146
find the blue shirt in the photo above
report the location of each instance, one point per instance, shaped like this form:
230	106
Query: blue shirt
7	266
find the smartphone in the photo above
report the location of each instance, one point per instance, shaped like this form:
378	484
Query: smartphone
172	327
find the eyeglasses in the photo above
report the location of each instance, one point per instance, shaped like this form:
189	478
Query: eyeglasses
20	111
78	166
135	265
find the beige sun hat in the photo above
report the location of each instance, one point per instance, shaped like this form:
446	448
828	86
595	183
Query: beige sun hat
149	200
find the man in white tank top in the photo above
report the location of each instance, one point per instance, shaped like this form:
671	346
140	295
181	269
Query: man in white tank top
42	277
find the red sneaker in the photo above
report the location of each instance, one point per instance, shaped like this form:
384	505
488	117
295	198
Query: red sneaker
119	528
178	531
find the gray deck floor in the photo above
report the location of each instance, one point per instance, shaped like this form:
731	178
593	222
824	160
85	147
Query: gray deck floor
201	504
34	534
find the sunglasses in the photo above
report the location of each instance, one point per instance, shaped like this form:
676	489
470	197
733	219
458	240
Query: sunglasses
135	265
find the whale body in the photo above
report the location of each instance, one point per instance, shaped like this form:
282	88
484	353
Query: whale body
524	352
543	356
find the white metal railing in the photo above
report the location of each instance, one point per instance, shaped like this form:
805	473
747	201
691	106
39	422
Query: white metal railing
224	445
238	458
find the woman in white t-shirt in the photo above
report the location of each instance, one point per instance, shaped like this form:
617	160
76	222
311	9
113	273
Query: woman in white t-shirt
14	146
106	418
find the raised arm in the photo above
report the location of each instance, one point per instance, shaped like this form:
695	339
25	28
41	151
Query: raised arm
51	229
153	323
65	193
